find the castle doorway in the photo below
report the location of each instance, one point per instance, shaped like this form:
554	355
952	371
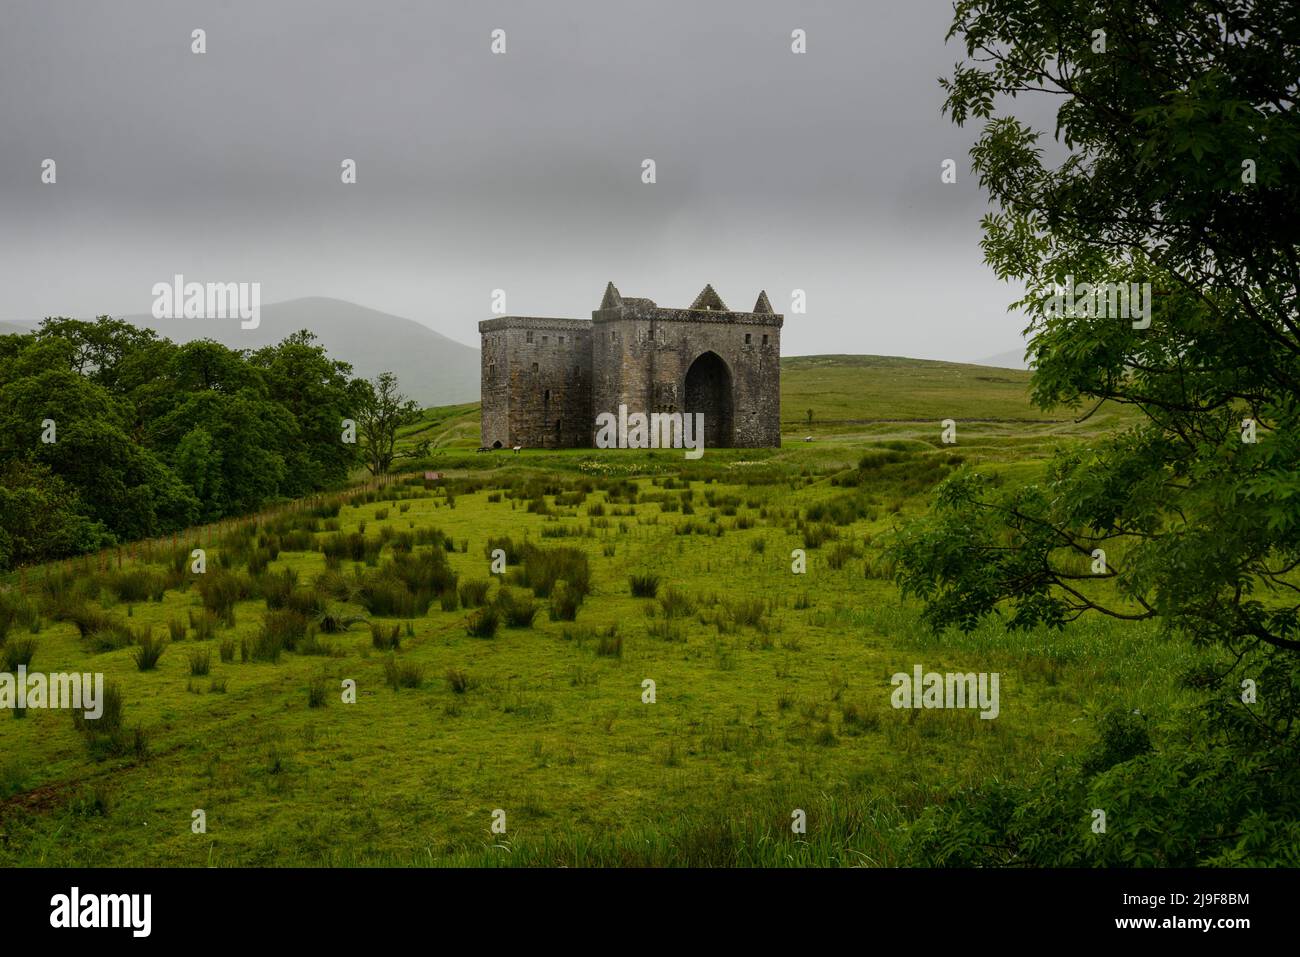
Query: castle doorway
708	390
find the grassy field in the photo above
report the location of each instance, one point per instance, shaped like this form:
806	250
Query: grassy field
857	399
771	687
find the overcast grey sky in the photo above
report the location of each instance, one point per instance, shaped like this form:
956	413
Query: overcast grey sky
523	171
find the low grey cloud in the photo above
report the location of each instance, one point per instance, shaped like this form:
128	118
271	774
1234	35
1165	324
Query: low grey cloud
817	171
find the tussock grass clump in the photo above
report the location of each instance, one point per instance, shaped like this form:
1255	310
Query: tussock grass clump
609	645
133	584
107	735
18	652
204	624
433	536
745	611
200	662
879	568
564	531
112	711
17	609
179	560
220	590
330	584
60	589
402	674
564	602
285	626
473	594
839	511
148	649
514	550
840	555
482	622
644	585
676	604
543	567
667	630
276	587
816	534
267	646
339	546
89	802
258	559
406	586
308	602
857	720
336	620
327	509
176	629
317	691
298	540
878	458
385	637
8	614
457	680
517	609
389	597
311	643
227	650
351	546
88	619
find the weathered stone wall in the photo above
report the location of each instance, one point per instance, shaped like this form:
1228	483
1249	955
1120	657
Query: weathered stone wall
537	384
494	379
641	356
539	391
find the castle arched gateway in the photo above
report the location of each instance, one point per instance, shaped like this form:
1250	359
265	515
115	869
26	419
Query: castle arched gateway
544	381
707	388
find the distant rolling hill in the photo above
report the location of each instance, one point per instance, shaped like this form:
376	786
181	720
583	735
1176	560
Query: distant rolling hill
432	369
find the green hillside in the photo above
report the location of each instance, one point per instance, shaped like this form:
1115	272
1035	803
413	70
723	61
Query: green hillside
773	684
866	398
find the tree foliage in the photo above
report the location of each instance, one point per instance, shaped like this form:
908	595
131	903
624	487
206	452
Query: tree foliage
1175	162
150	436
382	411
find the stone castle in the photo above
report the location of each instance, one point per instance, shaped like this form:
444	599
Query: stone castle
544	381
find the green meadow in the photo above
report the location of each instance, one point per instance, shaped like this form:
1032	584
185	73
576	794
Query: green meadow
519	695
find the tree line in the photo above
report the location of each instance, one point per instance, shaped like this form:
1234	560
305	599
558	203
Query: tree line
110	433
